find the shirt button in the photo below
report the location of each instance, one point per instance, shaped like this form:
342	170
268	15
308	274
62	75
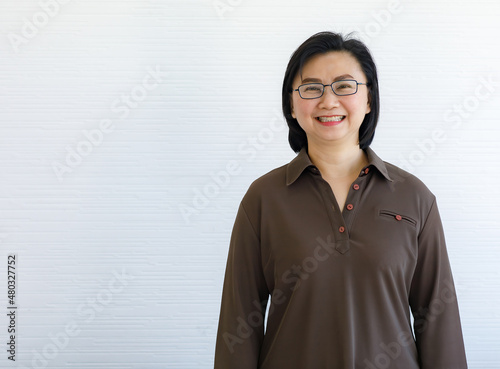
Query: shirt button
356	186
367	170
341	229
399	217
350	207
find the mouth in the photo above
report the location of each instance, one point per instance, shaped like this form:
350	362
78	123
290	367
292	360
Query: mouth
331	120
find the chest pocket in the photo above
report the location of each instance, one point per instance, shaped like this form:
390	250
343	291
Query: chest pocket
395	242
397	217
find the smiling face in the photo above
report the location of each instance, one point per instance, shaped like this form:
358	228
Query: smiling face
331	119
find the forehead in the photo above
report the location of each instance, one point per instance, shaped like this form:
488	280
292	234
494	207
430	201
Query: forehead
331	65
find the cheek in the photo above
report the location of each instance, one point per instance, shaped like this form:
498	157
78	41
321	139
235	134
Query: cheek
358	106
301	107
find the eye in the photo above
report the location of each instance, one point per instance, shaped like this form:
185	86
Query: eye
312	88
345	85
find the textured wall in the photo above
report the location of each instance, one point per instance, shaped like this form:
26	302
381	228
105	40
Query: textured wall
130	130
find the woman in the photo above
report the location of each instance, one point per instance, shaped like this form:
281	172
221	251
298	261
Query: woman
345	244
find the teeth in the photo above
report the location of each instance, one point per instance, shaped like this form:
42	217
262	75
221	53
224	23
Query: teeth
337	118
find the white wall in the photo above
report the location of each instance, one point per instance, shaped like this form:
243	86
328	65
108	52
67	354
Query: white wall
116	115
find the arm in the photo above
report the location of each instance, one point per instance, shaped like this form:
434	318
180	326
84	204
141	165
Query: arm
244	298
433	301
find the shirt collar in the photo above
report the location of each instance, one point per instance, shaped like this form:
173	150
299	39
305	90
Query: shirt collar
302	161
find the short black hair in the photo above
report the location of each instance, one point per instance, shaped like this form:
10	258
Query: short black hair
322	43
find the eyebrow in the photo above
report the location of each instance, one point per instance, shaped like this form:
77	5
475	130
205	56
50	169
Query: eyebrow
338	78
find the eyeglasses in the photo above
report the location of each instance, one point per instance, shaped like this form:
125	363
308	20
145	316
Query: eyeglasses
344	87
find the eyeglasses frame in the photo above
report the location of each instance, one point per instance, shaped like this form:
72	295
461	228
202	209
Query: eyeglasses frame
331	85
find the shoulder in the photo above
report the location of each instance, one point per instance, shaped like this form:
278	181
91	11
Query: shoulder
409	189
407	179
400	182
262	194
406	194
269	183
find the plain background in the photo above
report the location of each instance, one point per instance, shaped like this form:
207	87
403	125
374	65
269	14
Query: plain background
130	130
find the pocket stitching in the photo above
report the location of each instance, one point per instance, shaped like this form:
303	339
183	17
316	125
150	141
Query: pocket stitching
392	214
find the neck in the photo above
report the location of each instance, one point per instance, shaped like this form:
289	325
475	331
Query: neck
338	162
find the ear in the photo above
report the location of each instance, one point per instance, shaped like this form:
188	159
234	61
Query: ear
291	108
369	103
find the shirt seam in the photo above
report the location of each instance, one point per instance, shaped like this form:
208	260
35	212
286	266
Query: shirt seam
427	217
249	221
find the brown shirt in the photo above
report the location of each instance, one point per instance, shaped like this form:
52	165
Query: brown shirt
342	282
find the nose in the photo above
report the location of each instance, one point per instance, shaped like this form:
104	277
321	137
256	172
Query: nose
329	99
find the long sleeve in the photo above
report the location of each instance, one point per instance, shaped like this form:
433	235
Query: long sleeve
433	301
245	294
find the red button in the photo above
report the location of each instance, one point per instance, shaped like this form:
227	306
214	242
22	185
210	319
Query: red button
350	207
356	186
367	170
399	217
341	229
